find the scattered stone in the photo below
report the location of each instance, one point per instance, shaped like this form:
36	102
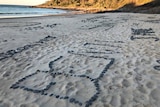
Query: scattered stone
51	95
72	100
66	97
142	31
144	34
155	38
57	96
10	53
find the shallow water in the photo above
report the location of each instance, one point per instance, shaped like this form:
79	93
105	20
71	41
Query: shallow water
9	11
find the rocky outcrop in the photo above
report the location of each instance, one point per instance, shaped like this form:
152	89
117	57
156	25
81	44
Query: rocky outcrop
152	8
107	4
92	6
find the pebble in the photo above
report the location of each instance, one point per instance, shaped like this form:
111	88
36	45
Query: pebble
86	44
158	61
51	95
157	68
72	100
57	96
66	97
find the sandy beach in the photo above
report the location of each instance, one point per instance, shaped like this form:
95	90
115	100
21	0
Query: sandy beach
87	60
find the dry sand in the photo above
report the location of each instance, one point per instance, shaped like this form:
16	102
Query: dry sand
91	60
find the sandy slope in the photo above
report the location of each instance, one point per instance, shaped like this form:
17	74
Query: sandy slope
92	60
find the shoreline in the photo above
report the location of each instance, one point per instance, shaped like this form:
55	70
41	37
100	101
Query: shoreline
29	12
84	9
36	16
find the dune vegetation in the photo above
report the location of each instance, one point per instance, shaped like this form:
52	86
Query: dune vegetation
108	4
105	5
